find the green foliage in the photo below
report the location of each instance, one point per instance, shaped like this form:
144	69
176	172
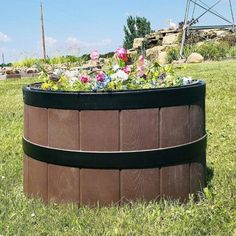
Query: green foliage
214	214
29	62
209	50
137	27
172	54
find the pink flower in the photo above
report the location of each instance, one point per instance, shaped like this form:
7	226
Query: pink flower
100	77
94	55
84	79
127	70
141	71
141	59
121	53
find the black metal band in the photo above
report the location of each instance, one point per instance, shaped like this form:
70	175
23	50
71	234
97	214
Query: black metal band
187	153
118	100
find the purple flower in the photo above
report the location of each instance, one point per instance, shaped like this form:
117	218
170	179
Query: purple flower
100	77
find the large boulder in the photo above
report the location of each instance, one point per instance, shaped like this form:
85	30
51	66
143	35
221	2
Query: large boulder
170	39
32	70
153	53
163	58
138	43
195	58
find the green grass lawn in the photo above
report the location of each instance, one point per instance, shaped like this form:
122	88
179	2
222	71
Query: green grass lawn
214	214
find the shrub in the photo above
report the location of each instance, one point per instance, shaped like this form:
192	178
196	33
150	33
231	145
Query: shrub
172	54
214	51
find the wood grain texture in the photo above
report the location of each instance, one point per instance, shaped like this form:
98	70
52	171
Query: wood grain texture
197	122
63	129
99	187
139	129
99	130
26	121
26	173
140	185
38	125
174	130
37	179
175	182
63	184
197	130
174	126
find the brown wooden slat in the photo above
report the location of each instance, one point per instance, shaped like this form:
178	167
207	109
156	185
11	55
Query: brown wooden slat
63	129
174	126
99	186
26	173
197	130
174	130
139	130
197	122
99	130
26	121
140	184
38	125
63	184
175	182
38	179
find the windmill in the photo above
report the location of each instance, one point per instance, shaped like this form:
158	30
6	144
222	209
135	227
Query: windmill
190	21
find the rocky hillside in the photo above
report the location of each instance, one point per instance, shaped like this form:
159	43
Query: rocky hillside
157	44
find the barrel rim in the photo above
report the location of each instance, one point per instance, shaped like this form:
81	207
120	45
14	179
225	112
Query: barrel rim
115	100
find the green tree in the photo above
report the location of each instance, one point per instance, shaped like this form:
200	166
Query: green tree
137	27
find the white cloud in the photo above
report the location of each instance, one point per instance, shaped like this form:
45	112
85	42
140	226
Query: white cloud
4	38
50	41
75	43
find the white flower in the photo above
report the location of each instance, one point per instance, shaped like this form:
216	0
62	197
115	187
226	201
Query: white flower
58	71
120	74
33	215
72	80
187	80
71	74
116	67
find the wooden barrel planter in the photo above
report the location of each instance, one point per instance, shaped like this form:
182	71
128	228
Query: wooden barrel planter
108	147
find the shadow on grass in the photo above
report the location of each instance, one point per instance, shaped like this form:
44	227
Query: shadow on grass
209	175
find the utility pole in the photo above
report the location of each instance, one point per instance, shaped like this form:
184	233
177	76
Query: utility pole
3	59
43	34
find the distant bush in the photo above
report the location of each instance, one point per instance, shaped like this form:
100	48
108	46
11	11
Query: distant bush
214	51
209	50
30	62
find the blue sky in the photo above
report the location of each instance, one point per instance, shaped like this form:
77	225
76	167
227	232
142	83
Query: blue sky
78	26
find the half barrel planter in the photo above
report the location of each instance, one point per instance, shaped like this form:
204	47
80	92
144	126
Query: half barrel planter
111	147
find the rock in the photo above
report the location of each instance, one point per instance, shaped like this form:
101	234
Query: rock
9	70
195	58
179	62
138	43
170	39
132	53
162	58
32	70
152	53
199	44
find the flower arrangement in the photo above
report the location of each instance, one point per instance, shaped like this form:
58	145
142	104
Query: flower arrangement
117	75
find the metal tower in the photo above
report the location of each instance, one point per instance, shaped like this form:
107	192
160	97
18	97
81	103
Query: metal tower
190	21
